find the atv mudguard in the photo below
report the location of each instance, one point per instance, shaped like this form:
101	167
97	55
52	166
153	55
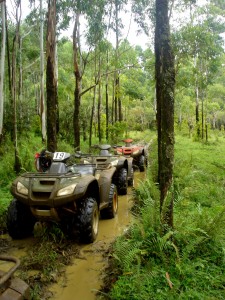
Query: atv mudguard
122	163
130	166
104	181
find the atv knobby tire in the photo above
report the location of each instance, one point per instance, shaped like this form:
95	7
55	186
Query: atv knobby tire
141	163
20	221
111	211
122	182
87	220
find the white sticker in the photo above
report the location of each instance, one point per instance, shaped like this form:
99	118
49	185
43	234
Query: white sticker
59	156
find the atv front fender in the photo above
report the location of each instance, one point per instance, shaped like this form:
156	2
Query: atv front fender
104	181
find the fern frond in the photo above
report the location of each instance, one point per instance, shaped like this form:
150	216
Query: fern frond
127	253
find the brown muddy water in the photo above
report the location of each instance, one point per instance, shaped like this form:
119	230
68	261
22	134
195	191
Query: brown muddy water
84	277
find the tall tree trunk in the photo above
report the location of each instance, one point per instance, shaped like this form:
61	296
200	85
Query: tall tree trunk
107	98
78	78
57	76
113	100
84	126
165	82
99	102
51	78
116	98
17	163
197	98
202	115
2	67
9	77
93	103
20	89
117	81
92	117
42	96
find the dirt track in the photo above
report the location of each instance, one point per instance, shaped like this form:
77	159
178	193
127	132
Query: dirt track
83	277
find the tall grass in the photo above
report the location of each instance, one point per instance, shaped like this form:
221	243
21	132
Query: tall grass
189	261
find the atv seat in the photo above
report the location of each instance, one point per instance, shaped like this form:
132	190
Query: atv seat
105	152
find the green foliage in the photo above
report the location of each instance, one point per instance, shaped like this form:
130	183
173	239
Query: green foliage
36	125
117	131
187	262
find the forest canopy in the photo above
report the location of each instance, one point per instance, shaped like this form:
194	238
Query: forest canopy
115	78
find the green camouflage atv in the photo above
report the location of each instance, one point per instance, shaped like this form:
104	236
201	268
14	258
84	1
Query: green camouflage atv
125	174
71	194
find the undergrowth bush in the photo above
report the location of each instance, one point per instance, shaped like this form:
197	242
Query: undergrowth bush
187	262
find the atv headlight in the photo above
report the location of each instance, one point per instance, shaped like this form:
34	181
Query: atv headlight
114	162
21	188
135	152
68	190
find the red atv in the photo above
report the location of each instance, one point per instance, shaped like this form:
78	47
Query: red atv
137	152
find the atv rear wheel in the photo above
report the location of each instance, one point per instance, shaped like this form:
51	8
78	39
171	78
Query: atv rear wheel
141	163
111	211
20	221
122	182
87	220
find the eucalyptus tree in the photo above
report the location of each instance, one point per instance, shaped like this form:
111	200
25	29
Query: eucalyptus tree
215	103
137	85
42	94
37	17
165	83
51	78
117	25
92	11
198	42
95	39
14	86
2	65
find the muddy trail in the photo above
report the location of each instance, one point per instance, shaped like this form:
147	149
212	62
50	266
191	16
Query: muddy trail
83	276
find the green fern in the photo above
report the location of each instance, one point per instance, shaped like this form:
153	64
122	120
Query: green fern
127	254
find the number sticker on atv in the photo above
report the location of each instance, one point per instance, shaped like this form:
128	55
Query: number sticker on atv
59	156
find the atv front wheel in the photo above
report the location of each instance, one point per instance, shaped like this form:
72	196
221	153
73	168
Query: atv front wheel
122	182
111	211
87	220
141	163
20	221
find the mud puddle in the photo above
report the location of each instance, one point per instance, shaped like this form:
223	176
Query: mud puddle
84	277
